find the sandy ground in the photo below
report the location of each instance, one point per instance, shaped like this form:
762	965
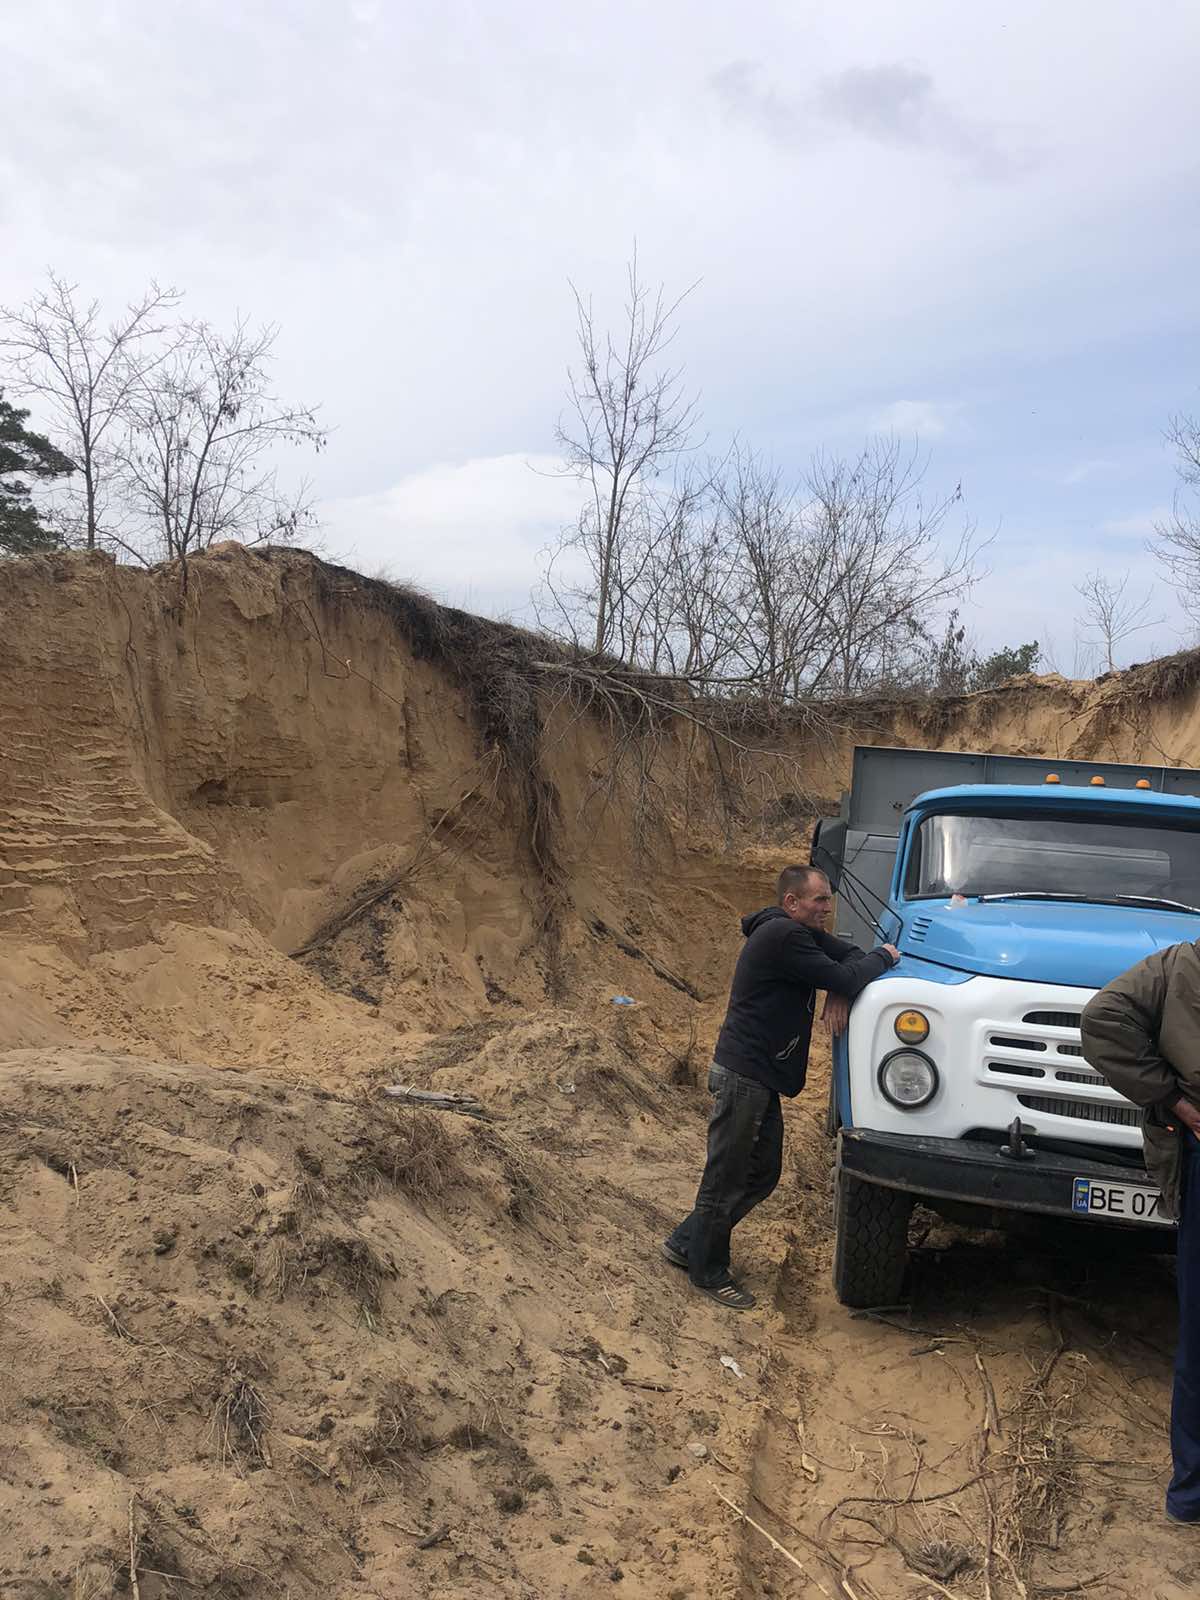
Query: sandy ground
269	1332
290	1338
1003	1431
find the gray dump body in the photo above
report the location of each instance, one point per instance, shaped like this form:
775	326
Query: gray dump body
885	782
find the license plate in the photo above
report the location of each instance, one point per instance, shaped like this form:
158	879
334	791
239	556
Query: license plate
1117	1202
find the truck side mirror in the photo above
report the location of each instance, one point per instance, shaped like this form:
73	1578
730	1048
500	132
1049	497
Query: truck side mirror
829	848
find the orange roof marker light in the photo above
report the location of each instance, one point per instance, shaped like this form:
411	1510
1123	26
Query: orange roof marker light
1097	783
1053	777
1142	783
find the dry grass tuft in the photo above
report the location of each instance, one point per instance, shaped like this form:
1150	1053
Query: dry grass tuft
412	1151
619	1090
396	1434
94	1580
349	1259
299	1249
537	1188
240	1421
279	1268
310	1196
282	1265
358	1267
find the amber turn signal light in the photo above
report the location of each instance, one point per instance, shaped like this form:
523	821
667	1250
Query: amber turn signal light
912	1027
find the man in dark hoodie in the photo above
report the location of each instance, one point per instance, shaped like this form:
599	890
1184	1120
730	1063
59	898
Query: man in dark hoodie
761	1053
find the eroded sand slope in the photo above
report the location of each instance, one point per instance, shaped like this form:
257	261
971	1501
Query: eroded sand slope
272	842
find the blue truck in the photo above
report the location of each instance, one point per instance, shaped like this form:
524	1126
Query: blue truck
1014	888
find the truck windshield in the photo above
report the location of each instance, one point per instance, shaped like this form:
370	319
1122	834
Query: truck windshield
1067	854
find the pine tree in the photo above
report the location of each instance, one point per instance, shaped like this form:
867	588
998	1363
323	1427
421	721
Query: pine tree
22	531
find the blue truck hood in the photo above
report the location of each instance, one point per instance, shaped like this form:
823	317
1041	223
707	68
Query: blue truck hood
1041	941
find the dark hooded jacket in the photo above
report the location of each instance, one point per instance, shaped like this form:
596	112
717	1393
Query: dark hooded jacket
782	964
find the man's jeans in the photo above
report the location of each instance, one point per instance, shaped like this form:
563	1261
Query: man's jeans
745	1159
1183	1494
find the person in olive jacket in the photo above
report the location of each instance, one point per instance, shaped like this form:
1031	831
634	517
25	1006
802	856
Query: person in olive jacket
1142	1034
762	1053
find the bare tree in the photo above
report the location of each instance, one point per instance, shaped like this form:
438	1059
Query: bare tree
762	631
195	459
83	372
1176	543
1112	615
735	577
839	582
630	421
741	583
885	564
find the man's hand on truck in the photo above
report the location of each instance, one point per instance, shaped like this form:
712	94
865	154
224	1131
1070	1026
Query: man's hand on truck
836	1014
1188	1114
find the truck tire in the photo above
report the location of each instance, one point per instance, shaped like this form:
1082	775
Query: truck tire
870	1254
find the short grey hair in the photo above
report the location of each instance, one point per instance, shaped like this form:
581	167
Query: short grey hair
796	880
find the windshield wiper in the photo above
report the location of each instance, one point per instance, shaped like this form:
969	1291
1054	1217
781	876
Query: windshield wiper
1156	900
1093	899
1033	894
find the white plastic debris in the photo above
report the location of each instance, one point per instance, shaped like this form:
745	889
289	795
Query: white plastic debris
728	1361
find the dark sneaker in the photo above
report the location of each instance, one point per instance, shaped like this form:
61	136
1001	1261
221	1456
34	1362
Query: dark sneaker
675	1257
729	1294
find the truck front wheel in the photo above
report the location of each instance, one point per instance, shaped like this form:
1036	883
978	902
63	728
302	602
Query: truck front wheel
871	1251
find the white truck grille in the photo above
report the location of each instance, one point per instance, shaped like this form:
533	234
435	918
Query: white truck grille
1054	1019
1083	1110
1045	1045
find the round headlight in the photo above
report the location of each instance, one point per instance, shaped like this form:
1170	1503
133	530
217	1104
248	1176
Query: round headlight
908	1079
912	1027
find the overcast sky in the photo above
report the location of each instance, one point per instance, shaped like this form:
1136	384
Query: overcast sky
978	222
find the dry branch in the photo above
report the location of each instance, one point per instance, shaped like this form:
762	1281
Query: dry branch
427	1099
627	947
771	1540
134	1548
906	1500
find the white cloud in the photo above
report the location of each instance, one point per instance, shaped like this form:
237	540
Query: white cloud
470	532
1141	525
1083	471
891	104
927	419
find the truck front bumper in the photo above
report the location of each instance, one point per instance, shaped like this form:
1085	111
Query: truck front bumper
975	1173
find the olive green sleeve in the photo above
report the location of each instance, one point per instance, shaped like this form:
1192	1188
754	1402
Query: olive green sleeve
1120	1034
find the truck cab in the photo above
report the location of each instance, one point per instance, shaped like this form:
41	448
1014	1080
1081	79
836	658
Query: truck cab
1012	895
